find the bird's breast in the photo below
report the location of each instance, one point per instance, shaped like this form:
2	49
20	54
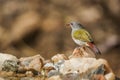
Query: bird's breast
79	42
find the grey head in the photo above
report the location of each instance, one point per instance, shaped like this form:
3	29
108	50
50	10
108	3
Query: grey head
75	25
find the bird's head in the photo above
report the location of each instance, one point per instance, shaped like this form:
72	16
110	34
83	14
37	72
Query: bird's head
75	25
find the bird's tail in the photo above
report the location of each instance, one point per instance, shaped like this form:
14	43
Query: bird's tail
94	48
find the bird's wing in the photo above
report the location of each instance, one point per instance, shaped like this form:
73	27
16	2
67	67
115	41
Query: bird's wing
82	35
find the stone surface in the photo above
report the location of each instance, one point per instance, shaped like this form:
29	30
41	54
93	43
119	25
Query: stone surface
22	78
7	74
86	68
55	78
48	68
52	69
58	57
7	58
71	76
29	74
10	65
34	63
80	52
79	66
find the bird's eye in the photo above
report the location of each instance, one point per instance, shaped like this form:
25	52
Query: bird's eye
71	23
79	24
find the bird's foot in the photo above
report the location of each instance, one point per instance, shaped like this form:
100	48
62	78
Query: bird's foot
78	47
84	47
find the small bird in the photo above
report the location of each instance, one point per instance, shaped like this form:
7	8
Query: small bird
82	37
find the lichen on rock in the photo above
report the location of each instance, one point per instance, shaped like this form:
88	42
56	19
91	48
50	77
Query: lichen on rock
10	65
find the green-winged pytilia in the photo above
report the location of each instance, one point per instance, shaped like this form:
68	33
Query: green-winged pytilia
82	37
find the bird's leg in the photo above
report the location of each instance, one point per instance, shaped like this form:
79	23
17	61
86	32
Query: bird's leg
78	47
84	47
81	46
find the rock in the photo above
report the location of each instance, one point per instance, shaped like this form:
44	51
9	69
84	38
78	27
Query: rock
53	73
71	76
47	61
47	68
51	69
54	78
58	64
34	63
8	62
27	78
80	52
29	74
10	65
31	78
58	57
87	68
99	77
79	66
110	76
21	78
20	75
7	74
11	78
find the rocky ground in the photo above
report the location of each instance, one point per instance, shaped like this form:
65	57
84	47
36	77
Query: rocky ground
80	65
31	27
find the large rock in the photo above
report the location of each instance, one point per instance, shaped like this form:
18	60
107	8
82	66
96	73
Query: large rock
58	57
8	62
34	63
81	65
10	65
86	68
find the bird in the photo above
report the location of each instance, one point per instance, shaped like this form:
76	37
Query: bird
82	37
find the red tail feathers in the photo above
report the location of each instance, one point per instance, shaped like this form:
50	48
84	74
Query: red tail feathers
94	48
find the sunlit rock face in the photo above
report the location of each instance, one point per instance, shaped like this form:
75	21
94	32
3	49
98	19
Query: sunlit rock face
82	64
8	62
34	63
86	68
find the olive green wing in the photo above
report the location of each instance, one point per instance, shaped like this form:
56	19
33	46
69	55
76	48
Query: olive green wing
82	35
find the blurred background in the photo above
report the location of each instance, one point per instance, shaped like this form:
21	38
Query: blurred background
30	27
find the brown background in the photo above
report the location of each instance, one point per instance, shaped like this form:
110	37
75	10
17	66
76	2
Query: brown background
30	27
